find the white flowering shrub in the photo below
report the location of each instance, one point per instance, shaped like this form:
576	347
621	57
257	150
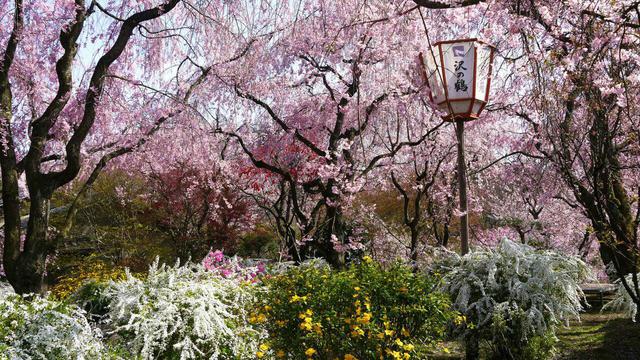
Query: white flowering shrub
5	290
183	312
622	300
38	328
514	296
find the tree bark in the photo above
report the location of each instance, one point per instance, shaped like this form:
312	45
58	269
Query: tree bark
333	225
8	163
472	346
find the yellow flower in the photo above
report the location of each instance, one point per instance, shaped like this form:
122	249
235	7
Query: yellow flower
394	354
408	347
357	331
406	356
350	357
460	319
259	354
365	319
297	298
367	259
280	354
389	332
264	347
310	352
357	288
399	342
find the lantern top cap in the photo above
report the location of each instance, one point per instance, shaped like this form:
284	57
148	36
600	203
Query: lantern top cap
464	40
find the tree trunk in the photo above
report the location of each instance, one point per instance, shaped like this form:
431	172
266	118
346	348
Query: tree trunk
472	346
615	254
445	236
333	225
11	229
414	245
32	262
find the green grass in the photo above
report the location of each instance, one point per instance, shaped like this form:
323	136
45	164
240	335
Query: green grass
606	336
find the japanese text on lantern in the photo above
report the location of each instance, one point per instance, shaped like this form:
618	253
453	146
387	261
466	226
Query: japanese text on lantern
460	84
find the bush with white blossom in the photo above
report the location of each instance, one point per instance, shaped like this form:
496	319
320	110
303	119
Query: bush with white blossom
623	301
514	297
37	328
183	312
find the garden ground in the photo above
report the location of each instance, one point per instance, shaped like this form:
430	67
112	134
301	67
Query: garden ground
598	336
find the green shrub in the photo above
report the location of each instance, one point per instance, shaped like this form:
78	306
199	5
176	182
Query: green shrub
92	299
93	271
364	312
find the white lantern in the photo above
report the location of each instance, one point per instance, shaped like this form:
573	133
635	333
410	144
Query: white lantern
458	72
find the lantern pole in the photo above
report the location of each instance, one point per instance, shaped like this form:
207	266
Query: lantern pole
453	78
462	184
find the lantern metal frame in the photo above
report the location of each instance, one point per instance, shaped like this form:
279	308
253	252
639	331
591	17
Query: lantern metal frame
441	70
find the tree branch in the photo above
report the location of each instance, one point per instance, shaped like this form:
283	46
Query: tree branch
431	4
96	87
281	123
40	127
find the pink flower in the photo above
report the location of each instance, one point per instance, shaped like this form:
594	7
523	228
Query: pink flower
226	272
217	256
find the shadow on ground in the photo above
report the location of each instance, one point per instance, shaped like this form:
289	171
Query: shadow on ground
600	337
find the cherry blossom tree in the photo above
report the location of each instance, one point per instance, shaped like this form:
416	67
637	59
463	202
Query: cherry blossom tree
339	102
579	61
424	192
304	105
71	73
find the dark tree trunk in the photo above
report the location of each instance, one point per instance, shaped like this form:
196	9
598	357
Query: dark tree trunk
333	225
11	229
472	347
445	236
617	257
414	245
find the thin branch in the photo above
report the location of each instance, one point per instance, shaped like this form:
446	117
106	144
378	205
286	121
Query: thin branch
504	157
